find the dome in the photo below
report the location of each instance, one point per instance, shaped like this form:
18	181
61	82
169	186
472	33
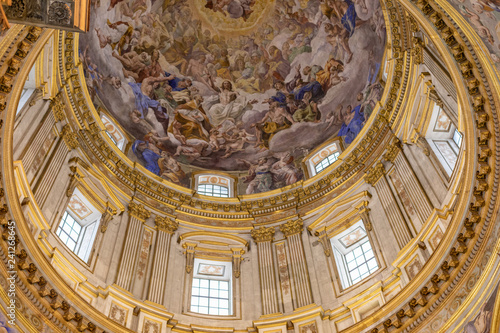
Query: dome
235	86
384	219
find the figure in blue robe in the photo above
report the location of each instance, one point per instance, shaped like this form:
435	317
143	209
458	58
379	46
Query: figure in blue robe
314	87
349	18
143	103
350	131
141	150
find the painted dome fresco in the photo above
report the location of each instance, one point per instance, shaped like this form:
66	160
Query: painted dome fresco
245	87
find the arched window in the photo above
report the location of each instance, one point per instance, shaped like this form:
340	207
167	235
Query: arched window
214	185
323	158
113	132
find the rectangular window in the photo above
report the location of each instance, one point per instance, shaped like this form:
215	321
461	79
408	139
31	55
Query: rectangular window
457	138
361	262
69	231
210	297
354	256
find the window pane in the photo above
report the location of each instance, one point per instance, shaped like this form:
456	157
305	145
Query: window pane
372	264
224	304
214	191
214	292
349	257
363	269
223	312
326	162
214	303
352	265
366	247
358	252
211	298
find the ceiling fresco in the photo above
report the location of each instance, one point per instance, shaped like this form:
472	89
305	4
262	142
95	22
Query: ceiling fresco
248	87
484	18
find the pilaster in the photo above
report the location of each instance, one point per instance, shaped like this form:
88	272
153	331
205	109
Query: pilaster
137	216
263	237
166	228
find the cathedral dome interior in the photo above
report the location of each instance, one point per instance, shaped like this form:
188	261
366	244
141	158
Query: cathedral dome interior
232	166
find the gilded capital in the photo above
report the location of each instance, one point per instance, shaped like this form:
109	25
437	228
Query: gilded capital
263	234
138	211
70	138
292	227
393	150
165	224
375	173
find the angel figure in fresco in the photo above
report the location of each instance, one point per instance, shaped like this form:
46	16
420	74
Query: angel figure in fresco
259	177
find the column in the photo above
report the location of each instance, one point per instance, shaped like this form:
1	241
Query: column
263	237
376	178
137	216
166	229
300	276
418	197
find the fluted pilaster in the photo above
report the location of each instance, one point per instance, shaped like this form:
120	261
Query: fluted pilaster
263	237
300	275
137	216
45	183
376	178
166	229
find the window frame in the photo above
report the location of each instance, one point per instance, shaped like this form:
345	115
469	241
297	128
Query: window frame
228	276
339	257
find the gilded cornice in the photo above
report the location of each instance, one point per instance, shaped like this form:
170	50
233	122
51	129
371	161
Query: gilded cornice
138	211
263	234
375	173
292	227
165	224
